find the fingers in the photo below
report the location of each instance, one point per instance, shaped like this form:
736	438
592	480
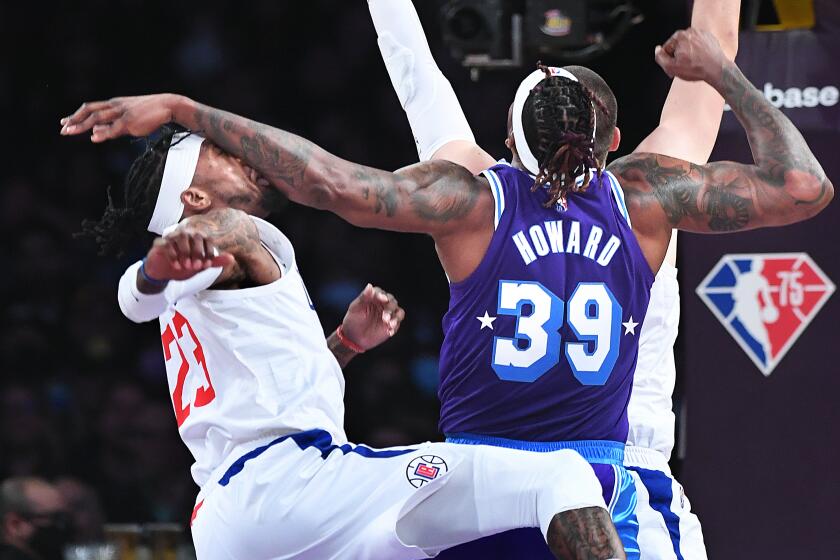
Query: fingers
223	260
368	293
109	131
392	313
664	60
670	46
399	316
210	252
90	115
191	251
83	112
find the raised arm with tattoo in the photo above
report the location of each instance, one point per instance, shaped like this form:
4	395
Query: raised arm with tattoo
434	197
438	197
785	185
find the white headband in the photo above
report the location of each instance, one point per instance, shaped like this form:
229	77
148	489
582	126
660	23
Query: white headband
181	161
526	156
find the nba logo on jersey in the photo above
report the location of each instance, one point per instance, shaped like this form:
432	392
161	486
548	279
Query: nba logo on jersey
765	301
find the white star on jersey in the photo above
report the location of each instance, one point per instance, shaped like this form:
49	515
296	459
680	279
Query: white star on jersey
486	321
630	326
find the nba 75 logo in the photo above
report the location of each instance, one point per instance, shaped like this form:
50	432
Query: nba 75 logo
765	301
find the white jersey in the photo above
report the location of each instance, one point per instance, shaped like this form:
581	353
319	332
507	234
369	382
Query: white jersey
649	412
246	366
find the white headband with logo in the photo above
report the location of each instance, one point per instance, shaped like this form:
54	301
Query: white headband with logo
526	156
178	172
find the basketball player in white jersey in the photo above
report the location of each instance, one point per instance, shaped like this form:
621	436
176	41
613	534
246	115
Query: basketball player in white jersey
258	394
687	130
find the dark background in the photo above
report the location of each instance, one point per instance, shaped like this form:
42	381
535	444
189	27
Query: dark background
83	389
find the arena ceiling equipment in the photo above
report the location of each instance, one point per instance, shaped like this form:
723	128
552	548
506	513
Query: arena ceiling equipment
493	34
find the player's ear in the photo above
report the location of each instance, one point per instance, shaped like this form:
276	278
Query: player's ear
196	200
616	139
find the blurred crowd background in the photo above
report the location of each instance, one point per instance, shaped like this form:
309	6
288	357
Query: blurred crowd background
83	394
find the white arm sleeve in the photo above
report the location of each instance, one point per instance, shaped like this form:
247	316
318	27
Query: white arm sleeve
433	111
140	307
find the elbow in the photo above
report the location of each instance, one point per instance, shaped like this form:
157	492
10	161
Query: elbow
829	192
814	195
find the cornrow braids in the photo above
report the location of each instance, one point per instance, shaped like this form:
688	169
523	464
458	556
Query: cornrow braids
558	120
122	226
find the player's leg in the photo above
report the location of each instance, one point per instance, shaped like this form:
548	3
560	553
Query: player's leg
668	529
309	499
498	489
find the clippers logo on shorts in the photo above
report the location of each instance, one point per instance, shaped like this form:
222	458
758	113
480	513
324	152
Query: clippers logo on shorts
424	469
765	301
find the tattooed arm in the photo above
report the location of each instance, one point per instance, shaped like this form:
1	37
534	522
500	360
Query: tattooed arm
189	249
785	185
434	197
439	198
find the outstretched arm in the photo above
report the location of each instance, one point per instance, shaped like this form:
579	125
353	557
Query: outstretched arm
438	198
690	120
437	121
786	184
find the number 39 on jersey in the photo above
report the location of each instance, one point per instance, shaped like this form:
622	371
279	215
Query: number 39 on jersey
593	314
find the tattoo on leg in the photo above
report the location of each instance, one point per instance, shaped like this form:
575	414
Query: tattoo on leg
584	534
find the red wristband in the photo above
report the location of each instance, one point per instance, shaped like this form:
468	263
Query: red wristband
339	332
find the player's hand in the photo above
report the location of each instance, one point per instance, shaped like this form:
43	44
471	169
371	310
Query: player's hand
372	318
120	116
182	254
692	55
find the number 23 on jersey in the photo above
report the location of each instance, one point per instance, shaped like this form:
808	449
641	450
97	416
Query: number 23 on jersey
593	314
180	333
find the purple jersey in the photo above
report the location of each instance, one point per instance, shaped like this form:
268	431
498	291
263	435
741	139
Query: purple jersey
540	341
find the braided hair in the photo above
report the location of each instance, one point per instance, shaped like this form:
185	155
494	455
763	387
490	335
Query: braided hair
123	225
558	119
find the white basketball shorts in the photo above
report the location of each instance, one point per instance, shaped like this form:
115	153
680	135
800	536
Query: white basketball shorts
668	530
301	496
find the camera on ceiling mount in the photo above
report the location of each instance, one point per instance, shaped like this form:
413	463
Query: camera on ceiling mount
494	34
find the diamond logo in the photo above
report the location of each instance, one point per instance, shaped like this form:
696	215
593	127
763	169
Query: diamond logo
765	301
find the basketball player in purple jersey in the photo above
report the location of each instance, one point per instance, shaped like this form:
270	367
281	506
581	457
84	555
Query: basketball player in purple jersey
668	530
550	263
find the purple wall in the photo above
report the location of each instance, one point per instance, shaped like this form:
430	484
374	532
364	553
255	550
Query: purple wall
763	453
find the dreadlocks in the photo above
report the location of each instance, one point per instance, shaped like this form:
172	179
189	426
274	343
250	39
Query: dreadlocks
558	119
121	226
